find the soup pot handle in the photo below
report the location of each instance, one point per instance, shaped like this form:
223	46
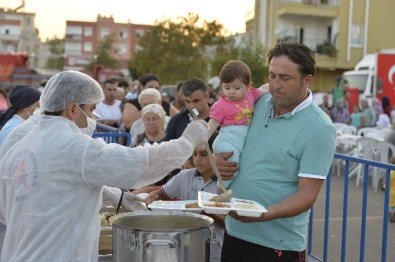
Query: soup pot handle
160	242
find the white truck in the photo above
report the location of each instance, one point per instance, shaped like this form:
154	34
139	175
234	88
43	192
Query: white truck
373	76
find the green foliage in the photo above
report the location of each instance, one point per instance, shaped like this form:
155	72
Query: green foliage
326	49
254	57
177	50
105	53
56	47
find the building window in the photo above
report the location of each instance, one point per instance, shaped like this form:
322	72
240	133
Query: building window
72	48
88	31
104	32
73	30
87	47
122	49
123	34
356	35
139	33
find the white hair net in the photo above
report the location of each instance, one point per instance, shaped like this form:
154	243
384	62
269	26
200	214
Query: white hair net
69	87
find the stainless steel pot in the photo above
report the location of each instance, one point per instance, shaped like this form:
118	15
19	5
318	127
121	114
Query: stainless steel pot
161	236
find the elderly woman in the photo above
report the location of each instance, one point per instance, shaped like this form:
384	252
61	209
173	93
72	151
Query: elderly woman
24	100
147	97
131	109
154	119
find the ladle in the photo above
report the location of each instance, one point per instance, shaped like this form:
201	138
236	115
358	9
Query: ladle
227	194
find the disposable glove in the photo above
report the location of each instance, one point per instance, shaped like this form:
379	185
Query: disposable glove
196	132
111	196
131	202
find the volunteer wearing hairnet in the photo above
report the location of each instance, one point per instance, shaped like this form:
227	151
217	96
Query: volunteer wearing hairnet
51	180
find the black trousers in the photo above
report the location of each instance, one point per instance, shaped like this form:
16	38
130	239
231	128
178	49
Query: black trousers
237	250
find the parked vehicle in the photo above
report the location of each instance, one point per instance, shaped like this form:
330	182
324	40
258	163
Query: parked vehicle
373	76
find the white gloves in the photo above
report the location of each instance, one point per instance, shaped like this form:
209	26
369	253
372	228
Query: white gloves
112	195
132	203
196	132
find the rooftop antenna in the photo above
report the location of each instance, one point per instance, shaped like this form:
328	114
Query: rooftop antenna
19	7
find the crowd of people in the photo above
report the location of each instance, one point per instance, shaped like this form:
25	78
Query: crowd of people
375	113
54	175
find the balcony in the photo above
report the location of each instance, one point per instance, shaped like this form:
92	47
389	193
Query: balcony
312	2
10	37
317	8
73	37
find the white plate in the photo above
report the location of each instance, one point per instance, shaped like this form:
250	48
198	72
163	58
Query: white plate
174	205
242	207
211	207
247	208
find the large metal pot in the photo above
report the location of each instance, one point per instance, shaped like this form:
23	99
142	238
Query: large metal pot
162	236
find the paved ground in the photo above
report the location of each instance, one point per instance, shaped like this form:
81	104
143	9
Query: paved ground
374	224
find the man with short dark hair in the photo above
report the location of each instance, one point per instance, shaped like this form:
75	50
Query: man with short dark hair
195	96
286	158
109	109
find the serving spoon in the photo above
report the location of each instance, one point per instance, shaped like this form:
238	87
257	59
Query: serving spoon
227	194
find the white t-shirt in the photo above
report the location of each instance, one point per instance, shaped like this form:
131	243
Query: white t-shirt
109	111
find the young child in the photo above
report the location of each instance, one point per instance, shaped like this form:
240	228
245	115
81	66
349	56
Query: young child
234	110
185	186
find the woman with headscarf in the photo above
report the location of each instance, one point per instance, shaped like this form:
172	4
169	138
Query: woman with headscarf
24	100
154	119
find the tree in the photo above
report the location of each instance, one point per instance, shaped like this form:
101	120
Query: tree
56	48
254	57
177	50
105	53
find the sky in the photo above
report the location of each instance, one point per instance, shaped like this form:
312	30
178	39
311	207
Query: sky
51	15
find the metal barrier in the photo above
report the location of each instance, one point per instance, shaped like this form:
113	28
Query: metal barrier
114	137
324	234
106	128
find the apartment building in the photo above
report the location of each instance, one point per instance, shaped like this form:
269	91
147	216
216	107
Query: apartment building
340	32
18	34
82	39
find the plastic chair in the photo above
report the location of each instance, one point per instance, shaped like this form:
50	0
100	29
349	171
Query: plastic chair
114	137
366	149
385	151
348	129
338	126
363	131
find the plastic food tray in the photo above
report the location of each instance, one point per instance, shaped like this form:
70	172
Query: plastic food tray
242	207
175	205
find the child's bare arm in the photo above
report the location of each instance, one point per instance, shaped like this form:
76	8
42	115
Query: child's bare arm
154	196
212	126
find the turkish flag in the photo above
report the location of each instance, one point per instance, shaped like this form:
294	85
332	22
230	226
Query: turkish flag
386	75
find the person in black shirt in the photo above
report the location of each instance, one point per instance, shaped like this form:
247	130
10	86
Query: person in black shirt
195	96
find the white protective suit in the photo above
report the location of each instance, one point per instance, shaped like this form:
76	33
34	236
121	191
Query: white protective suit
51	190
111	195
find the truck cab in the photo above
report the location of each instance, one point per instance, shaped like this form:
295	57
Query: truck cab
373	76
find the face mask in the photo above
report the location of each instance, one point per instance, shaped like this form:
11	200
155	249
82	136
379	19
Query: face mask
91	125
